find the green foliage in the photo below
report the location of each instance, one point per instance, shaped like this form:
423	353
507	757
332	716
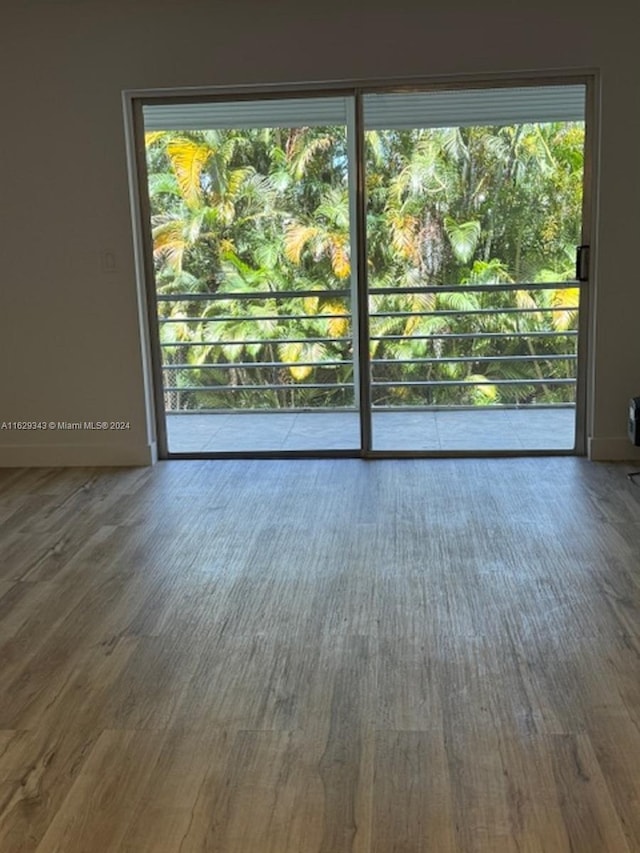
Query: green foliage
463	236
265	211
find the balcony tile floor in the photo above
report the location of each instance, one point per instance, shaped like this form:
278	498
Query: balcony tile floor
468	430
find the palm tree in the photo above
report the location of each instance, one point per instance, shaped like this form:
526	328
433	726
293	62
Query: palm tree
222	226
266	210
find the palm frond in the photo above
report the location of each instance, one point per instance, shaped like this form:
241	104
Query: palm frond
463	237
169	243
296	238
567	299
188	159
336	326
339	251
163	182
153	136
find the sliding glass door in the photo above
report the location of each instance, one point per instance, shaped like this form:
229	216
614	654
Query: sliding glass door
368	271
250	217
474	212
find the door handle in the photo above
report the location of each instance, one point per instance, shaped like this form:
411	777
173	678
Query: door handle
582	263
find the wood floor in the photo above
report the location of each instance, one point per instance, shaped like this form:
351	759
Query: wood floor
321	656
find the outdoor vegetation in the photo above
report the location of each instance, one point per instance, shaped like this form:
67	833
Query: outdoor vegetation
253	263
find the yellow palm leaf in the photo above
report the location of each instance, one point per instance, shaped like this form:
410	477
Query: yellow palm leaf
337	326
411	325
296	238
340	262
311	304
565	320
188	159
236	178
153	136
300	373
290	352
169	243
403	239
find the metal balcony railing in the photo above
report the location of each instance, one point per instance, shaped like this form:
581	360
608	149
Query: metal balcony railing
276	350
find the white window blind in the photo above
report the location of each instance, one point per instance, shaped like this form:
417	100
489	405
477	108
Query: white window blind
241	115
451	108
474	107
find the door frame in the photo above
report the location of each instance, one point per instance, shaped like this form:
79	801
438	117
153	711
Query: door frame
133	101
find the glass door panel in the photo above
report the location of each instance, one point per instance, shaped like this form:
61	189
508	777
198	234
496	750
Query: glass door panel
474	210
250	205
464	310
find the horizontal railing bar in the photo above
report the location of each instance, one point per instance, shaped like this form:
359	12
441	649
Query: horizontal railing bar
502	287
466	313
269	387
254	342
280	318
388	361
241	317
472	359
252	364
475	288
443	382
443	336
435	383
373	314
379	407
455	336
244	295
459	407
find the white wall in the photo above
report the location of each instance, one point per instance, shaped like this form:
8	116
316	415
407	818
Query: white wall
69	333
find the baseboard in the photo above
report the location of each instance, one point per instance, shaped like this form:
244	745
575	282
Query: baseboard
106	455
613	450
77	455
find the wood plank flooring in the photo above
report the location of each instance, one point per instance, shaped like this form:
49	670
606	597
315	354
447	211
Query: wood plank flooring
321	656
